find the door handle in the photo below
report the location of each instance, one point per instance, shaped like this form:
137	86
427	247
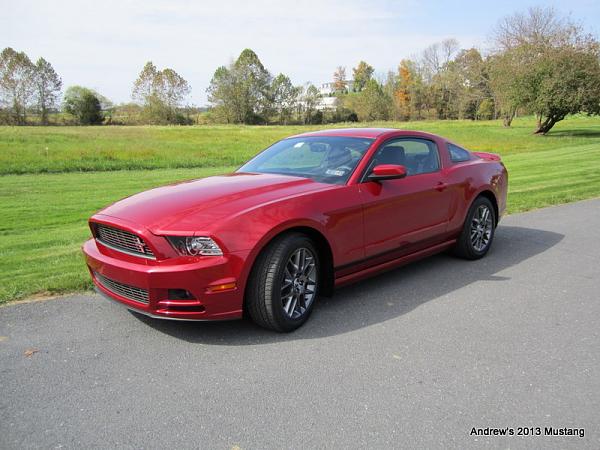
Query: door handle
441	186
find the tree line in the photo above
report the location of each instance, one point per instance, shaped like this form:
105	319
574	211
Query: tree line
540	63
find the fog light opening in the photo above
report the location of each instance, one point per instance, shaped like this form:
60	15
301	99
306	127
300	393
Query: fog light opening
180	294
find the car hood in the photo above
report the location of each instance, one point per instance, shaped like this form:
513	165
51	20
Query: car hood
197	205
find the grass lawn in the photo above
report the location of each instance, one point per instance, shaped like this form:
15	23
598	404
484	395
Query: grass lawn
74	149
44	214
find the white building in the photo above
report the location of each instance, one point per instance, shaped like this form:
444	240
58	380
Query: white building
328	99
328	89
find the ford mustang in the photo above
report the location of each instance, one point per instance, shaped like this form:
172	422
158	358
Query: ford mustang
308	214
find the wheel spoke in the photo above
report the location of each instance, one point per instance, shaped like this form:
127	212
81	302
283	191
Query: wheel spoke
287	304
292	308
301	302
301	260
287	284
308	268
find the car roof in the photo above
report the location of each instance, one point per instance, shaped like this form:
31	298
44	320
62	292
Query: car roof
369	133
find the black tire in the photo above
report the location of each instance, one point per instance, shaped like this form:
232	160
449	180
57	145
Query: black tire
265	300
470	244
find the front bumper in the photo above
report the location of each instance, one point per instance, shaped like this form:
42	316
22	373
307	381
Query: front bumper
197	276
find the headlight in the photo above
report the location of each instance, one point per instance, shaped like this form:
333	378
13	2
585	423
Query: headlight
195	246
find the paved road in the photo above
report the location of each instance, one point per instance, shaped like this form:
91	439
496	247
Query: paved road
414	358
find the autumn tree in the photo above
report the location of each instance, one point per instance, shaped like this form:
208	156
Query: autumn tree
17	75
47	86
339	79
361	74
403	90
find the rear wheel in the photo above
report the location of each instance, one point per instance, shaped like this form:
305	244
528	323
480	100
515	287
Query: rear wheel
477	234
284	283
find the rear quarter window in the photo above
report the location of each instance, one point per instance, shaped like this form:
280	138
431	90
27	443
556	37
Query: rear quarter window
458	154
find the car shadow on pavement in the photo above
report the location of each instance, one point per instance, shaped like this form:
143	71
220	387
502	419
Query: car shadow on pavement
380	298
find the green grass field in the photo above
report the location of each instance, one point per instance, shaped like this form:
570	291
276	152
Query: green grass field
44	214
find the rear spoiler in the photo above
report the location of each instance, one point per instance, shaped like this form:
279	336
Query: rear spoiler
487	156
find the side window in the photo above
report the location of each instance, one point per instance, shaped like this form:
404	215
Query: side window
458	154
417	155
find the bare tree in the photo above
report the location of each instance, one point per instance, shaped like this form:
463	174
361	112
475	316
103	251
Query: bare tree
437	56
539	27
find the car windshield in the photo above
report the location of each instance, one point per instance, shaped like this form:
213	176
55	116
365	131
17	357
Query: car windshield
326	159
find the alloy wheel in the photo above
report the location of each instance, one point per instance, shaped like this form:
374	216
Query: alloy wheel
481	228
299	283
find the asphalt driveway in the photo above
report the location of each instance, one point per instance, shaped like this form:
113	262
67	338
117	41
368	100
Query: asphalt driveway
414	358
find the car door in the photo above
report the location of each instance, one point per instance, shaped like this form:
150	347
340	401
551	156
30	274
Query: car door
407	214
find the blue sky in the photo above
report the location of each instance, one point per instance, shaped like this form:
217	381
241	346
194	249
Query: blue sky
104	44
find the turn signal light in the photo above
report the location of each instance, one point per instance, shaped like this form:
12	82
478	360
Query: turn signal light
221	287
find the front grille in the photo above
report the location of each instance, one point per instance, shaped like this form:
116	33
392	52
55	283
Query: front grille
124	290
123	241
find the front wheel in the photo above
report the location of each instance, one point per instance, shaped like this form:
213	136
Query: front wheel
477	234
284	283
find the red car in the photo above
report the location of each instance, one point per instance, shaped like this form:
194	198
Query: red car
308	214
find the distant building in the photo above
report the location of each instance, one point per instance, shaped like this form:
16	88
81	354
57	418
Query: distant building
329	89
328	99
327	103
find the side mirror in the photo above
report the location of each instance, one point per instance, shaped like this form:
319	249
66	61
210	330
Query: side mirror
387	172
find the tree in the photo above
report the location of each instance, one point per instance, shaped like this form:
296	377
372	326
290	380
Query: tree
339	79
47	88
404	90
473	77
144	86
310	100
17	74
362	73
84	104
485	111
161	92
373	103
504	69
241	92
284	96
546	64
567	82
